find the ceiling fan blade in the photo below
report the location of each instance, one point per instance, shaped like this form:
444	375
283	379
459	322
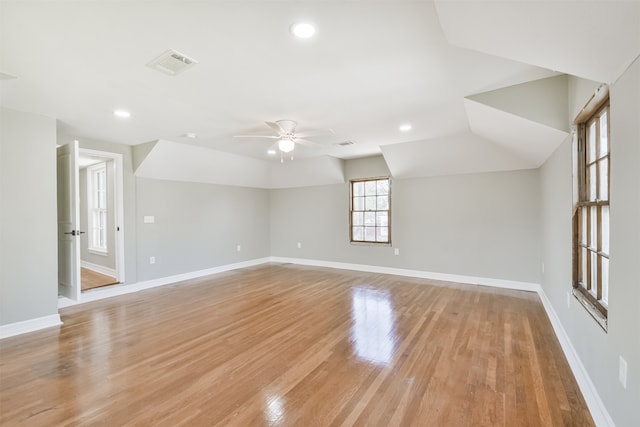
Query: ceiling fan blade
308	143
315	132
257	136
275	127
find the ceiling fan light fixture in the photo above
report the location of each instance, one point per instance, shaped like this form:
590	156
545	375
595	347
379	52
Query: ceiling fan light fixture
286	145
303	30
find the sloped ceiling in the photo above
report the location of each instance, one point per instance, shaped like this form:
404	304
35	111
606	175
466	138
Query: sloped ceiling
198	164
543	101
482	82
595	40
450	155
525	138
181	162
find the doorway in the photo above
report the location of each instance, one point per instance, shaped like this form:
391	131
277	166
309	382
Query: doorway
107	235
101	217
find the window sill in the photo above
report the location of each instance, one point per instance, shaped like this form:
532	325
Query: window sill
591	309
358	243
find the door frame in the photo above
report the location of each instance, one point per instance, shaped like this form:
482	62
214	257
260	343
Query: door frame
118	200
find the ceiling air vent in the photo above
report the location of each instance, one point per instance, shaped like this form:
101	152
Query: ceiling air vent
172	63
345	143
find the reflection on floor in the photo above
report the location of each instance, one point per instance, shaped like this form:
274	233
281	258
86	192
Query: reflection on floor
289	345
90	279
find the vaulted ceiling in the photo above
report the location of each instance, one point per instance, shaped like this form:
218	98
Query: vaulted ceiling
482	83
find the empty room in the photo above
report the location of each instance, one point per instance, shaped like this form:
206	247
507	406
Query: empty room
320	213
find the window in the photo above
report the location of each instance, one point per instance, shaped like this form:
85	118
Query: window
97	206
370	213
591	214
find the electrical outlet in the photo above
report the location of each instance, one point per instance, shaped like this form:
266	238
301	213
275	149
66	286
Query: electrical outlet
622	372
396	251
149	219
299	245
152	260
238	248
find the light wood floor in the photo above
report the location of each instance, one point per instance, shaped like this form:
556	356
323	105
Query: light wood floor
90	279
295	346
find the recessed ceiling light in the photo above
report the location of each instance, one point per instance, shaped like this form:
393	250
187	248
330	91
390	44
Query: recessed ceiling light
122	113
190	135
271	152
303	30
405	128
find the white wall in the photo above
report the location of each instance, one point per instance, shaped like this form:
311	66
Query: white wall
484	225
28	215
598	350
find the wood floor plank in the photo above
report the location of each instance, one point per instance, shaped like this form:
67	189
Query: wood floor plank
285	345
90	279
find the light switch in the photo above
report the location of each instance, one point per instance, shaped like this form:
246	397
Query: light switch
149	219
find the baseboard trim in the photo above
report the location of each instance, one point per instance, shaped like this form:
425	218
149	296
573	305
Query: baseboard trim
597	408
200	273
123	289
471	280
32	325
98	268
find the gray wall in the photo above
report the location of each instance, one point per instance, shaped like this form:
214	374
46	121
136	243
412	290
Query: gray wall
198	226
105	260
484	225
598	350
28	216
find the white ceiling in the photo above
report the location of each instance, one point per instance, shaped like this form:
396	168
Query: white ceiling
371	67
591	39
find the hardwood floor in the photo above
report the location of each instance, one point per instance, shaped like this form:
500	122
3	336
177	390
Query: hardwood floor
90	279
295	346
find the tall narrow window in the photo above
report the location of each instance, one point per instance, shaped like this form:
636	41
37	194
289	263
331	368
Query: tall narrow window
370	213
591	217
97	198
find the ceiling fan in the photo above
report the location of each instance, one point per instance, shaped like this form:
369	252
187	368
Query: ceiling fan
287	136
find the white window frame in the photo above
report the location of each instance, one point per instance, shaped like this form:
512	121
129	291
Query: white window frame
97	215
353	209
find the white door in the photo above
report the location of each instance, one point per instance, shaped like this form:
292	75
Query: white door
68	222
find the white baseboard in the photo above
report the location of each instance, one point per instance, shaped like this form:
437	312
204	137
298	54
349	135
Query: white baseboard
598	411
31	325
472	280
200	273
122	289
98	268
